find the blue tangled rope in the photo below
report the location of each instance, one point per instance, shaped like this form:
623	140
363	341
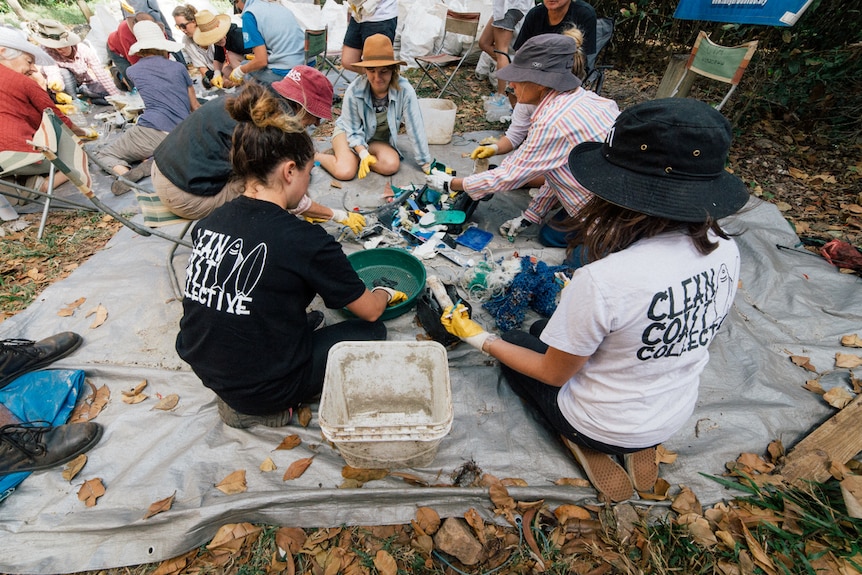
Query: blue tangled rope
534	286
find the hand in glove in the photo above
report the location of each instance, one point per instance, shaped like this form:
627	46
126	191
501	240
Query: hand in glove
89	134
438	180
484	152
395	296
366	160
457	322
67	108
237	75
218	80
57	87
352	220
63	98
515	226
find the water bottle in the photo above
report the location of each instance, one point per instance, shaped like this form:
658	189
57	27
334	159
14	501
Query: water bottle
497	108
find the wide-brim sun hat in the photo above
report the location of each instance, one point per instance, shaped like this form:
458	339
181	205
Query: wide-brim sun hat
377	52
151	37
546	60
664	158
210	27
52	34
309	88
17	40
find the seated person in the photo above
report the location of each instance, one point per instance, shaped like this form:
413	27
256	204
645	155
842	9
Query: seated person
244	329
374	107
79	70
22	101
168	94
277	41
118	44
566	114
226	39
497	34
610	371
555	16
193	185
200	57
522	115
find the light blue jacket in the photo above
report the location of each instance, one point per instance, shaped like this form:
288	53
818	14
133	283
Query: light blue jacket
359	121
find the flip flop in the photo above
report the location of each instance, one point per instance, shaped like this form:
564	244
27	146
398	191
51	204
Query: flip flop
606	475
642	468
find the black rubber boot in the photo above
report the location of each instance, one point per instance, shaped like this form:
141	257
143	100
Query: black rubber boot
20	356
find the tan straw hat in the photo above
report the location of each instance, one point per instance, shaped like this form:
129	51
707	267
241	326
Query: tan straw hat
377	52
52	34
210	28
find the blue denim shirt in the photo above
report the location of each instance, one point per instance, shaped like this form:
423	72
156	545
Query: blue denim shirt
359	121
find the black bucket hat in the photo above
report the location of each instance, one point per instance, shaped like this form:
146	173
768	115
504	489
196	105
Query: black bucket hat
664	158
547	60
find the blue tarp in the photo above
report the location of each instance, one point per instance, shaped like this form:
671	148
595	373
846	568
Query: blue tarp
48	395
763	12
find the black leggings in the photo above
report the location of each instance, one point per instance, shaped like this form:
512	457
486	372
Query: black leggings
543	397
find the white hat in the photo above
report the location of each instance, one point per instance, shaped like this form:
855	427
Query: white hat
16	40
151	37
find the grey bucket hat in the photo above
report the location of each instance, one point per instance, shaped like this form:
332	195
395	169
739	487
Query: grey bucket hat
547	60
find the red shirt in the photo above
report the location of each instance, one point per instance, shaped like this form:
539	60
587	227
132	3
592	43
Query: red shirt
22	101
120	40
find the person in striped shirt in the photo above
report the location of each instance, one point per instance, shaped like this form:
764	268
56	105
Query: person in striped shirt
566	115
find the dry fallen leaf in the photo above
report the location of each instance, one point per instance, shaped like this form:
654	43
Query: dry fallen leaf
847	360
775	449
813	385
686	502
233	483
101	313
664	456
753	462
92	405
851	340
73	467
132	399
69	310
428	520
297	468
90	491
177	564
565	513
500	496
232	536
385	564
137	389
513	482
572	482
289	442
698	528
304	415
168	402
410	478
363	475
851	491
160	505
290	539
268	465
797	173
802	361
659	491
838	397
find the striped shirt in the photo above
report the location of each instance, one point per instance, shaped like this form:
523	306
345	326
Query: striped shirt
562	121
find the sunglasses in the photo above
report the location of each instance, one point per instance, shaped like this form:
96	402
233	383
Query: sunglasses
183	26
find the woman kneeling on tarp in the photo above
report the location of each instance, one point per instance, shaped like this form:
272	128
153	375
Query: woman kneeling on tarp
616	368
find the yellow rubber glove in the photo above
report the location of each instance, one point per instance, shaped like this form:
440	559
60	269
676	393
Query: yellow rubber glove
458	323
395	296
56	86
352	220
366	160
63	98
67	108
89	134
237	75
313	220
484	152
217	80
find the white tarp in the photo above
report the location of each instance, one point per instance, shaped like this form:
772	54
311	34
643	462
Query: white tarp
751	393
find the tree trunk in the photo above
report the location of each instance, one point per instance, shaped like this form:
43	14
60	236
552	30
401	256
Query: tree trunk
85	10
19	11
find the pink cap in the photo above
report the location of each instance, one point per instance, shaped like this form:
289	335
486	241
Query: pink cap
309	88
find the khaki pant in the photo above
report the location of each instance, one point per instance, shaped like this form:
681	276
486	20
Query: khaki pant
191	206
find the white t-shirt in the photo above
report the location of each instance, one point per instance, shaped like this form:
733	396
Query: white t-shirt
644	316
373	10
500	7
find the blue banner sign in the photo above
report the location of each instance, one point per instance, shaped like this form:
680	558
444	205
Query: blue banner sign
764	12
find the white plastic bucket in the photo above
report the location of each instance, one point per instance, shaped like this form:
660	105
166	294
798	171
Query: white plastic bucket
439	118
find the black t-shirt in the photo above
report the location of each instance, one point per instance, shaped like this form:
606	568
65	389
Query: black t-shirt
232	43
252	273
195	155
580	14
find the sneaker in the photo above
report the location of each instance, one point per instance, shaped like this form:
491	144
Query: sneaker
35	446
20	356
136	174
606	475
233	418
642	468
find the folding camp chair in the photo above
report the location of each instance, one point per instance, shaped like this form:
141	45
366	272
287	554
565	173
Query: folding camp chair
57	142
12	161
723	63
315	49
464	23
595	76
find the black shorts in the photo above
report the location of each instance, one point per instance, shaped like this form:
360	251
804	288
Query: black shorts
358	32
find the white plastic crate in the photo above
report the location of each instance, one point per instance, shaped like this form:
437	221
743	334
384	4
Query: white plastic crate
386	404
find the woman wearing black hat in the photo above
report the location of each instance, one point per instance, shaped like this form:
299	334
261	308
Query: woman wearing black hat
616	368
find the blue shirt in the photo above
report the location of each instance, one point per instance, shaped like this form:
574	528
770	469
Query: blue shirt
164	87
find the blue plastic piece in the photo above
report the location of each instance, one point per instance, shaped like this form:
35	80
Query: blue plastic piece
475	239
